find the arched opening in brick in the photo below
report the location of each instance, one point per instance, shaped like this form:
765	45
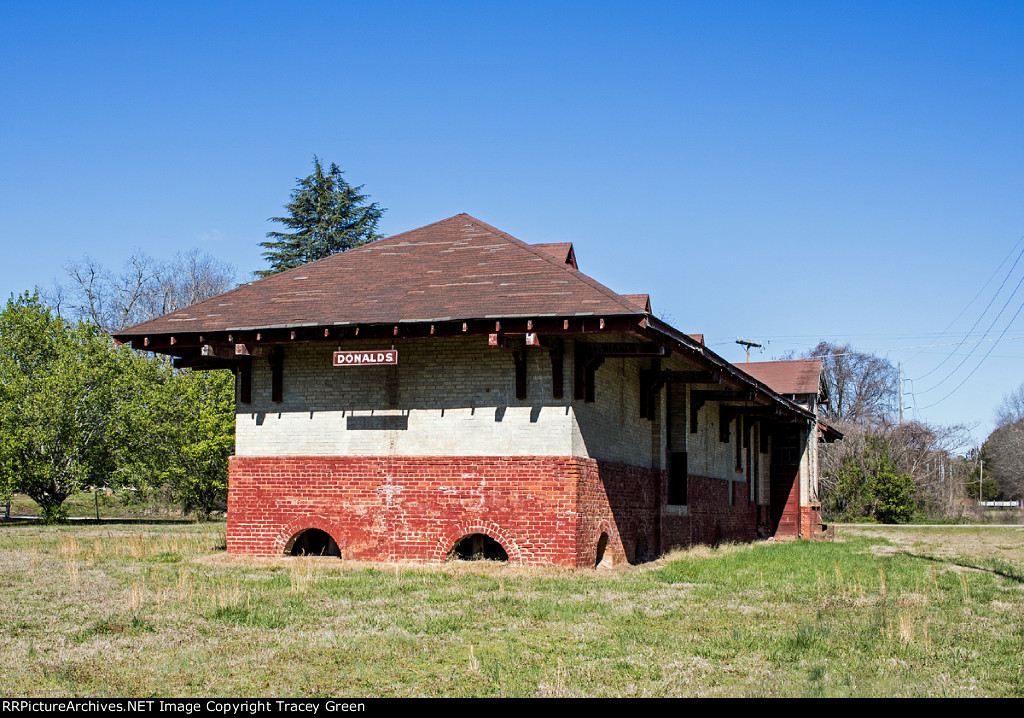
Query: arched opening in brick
602	546
641	553
477	547
314	542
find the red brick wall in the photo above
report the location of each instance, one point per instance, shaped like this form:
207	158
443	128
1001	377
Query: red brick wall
542	510
385	508
622	501
712	519
625	500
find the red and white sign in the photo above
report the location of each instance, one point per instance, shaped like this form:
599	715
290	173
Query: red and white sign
375	357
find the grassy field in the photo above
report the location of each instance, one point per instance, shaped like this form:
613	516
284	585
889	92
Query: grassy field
137	610
86	504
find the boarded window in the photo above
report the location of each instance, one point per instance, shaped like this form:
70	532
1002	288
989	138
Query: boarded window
677	479
739	443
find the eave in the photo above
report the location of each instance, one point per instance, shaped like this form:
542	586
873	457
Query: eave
234	346
188	344
694	351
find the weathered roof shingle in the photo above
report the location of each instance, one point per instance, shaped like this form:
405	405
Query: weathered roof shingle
458	268
796	376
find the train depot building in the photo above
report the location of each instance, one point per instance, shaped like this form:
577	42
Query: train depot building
453	391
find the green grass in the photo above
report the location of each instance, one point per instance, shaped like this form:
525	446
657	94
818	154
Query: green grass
137	610
84	505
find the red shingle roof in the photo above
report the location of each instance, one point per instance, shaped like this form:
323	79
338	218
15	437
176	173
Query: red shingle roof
798	376
641	300
458	268
561	250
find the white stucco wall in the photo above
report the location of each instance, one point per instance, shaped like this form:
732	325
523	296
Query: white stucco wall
450	396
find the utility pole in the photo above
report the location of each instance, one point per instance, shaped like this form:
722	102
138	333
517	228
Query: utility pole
750	343
899	368
981	478
948	484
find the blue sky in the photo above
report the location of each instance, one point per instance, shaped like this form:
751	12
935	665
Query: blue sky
788	172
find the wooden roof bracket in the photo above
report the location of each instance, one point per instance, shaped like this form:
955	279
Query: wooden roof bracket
698	397
691	377
585	365
518	350
276	359
650	383
557	354
727	413
589	356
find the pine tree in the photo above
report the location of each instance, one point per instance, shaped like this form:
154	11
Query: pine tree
327	214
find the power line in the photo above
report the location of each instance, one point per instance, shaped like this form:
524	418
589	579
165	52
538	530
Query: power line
949	344
964	360
793	340
987	281
920	346
1021	307
980	317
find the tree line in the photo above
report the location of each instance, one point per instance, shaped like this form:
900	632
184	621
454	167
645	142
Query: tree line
889	470
78	412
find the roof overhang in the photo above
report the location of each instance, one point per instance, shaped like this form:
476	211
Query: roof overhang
237	345
246	342
828	434
699	354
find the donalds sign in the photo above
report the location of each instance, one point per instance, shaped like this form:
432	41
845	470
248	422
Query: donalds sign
367	358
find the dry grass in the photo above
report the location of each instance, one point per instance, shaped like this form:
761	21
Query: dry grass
162	611
945	542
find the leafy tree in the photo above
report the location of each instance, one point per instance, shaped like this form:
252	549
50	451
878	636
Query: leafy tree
893	492
59	385
1004	449
171	429
990	489
194	433
177	430
868	484
327	215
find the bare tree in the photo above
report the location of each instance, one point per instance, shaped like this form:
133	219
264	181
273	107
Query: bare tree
1011	409
144	289
188	278
1004	451
89	293
923	451
862	388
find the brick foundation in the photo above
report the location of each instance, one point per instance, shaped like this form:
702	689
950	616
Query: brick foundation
810	521
542	510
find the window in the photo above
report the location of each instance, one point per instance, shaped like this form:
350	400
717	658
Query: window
677	479
756	439
739	442
787	446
